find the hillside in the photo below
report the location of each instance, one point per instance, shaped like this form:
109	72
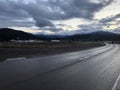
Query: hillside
96	36
7	34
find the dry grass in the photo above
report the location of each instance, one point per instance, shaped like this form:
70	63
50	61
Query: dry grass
13	50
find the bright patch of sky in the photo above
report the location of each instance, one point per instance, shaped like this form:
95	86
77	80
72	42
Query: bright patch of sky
111	10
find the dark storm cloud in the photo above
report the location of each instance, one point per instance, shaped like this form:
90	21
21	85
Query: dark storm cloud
10	14
43	12
9	9
83	8
110	19
66	9
63	25
40	22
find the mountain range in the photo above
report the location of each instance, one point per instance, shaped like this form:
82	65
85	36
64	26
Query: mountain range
96	36
7	34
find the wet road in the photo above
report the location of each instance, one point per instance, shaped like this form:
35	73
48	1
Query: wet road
93	69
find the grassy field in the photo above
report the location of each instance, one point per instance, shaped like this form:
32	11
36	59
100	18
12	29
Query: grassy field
14	50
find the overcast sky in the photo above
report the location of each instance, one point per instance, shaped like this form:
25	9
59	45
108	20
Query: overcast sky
60	16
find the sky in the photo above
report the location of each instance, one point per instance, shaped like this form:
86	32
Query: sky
60	17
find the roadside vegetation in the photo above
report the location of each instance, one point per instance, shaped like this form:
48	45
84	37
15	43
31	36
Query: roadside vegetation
14	50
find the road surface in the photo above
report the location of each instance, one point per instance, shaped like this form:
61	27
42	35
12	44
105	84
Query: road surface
93	69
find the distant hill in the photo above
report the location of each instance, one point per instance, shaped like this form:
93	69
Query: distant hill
51	37
7	34
96	36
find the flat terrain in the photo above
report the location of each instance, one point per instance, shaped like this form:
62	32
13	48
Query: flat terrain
93	69
16	50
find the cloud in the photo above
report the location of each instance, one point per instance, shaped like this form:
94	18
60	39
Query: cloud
65	9
44	12
40	22
9	9
110	23
91	27
52	29
110	19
